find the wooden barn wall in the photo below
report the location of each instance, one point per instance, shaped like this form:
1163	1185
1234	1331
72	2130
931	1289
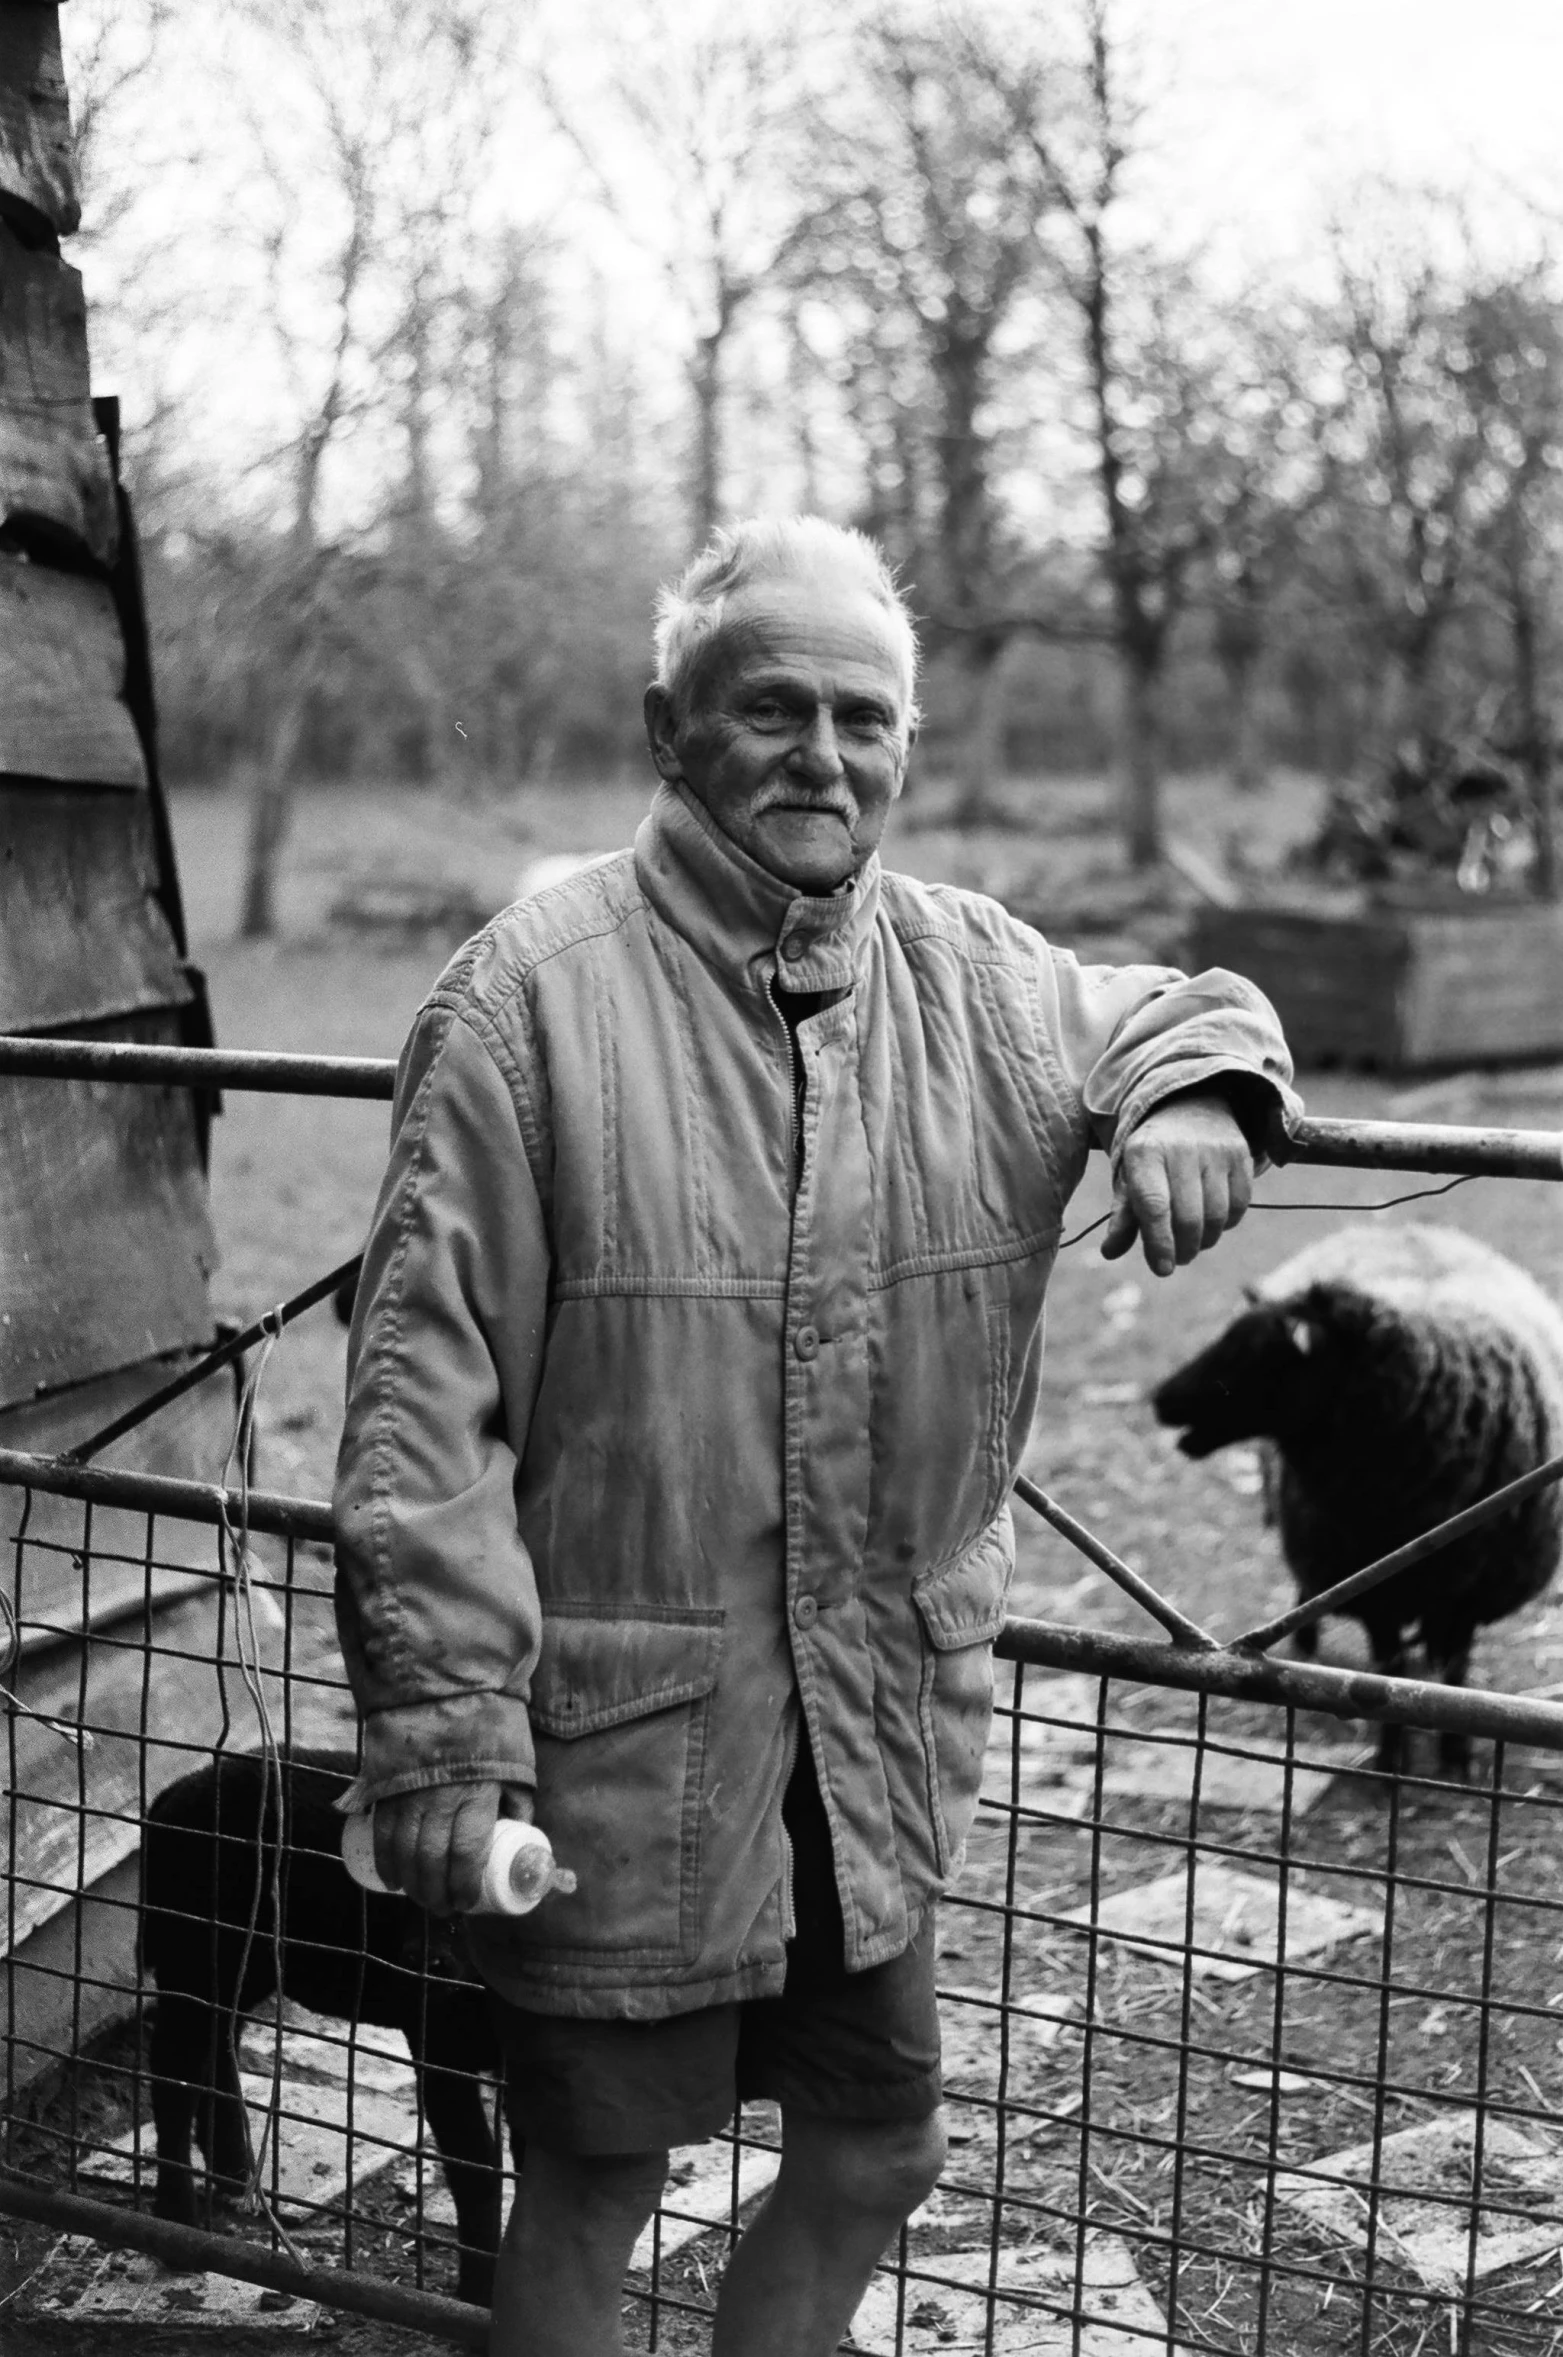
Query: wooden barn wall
54	471
106	1243
62	677
84	937
37	156
105	1236
106	1246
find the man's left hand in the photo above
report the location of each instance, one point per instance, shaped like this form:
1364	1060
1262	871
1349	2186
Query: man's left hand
1184	1178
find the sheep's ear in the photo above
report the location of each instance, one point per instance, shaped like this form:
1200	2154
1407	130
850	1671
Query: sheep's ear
1300	1334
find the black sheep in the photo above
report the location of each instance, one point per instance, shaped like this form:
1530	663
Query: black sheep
353	1954
1399	1374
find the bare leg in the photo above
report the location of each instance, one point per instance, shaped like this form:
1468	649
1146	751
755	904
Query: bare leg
844	2189
566	2252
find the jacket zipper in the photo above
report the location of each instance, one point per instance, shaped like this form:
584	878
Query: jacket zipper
796	1077
795	1074
789	1911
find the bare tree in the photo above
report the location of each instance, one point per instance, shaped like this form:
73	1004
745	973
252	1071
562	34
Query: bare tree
1273	482
1409	479
924	250
363	144
1148	359
1515	340
716	111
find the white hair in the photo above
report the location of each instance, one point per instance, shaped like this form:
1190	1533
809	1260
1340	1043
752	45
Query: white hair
760	548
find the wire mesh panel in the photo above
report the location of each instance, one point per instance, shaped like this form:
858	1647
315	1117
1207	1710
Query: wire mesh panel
1248	2046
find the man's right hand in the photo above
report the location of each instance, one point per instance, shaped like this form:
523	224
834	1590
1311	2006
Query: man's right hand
433	1844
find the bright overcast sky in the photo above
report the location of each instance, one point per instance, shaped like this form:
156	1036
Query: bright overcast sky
1268	112
1284	101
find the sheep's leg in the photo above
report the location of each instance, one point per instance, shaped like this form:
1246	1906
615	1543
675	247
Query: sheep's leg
1388	1646
1453	1666
174	2059
223	2124
455	2105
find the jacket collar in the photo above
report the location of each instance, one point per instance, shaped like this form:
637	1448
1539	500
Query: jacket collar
739	917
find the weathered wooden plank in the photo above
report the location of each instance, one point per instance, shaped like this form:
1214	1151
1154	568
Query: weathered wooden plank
106	1243
1335	981
153	1711
1484	983
82	933
62	674
50	2012
1401	988
54	470
37	154
65	1585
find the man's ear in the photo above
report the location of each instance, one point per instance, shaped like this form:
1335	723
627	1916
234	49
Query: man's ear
662	731
907	749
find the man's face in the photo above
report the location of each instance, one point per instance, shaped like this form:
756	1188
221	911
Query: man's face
795	736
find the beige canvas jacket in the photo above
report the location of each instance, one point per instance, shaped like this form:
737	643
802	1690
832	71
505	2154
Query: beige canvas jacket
672	1421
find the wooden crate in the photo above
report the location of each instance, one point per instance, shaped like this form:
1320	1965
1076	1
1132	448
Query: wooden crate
1401	989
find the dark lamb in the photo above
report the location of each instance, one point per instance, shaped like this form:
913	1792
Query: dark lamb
355	1955
1400	1374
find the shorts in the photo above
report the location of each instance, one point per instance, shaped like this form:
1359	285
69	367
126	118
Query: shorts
835	2044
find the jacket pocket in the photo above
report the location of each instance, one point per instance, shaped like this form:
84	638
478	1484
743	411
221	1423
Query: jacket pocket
961	1607
619	1706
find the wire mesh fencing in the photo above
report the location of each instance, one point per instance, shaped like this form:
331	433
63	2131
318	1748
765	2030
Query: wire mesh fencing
1248	2045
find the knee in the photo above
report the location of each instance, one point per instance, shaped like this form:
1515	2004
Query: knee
587	2195
880	2169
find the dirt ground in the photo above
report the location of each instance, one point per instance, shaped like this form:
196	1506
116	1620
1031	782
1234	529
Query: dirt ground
293	1182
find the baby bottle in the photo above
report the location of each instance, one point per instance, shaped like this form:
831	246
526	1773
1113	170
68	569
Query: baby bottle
518	1871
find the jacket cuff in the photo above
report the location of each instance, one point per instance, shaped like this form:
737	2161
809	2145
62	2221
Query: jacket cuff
481	1738
1253	1095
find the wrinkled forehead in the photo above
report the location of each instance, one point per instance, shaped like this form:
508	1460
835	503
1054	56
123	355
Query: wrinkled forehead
830	633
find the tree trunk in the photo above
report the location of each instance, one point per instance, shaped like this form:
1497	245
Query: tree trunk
982	736
1544	788
1535	727
1246	763
271	816
1141	806
705	384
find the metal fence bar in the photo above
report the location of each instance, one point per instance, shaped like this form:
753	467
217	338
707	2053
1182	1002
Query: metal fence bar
267	1511
191	2247
271	1323
1249	1677
1467	1150
1240	1675
1114	2162
271	1071
1325	1601
1179	1627
1451	1148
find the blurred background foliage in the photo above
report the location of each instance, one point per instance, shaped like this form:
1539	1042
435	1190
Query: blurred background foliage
448	334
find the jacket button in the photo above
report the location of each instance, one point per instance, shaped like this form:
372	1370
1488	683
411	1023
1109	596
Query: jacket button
794	948
806	1611
806	1342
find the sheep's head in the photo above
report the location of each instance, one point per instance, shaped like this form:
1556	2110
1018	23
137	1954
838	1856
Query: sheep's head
1265	1378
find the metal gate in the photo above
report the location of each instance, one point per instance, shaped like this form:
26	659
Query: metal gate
1248	2047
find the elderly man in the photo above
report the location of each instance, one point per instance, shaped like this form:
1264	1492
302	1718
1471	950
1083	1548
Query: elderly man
698	1340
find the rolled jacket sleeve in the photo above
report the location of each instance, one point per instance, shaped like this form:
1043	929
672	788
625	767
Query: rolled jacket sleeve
436	1601
1132	1036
